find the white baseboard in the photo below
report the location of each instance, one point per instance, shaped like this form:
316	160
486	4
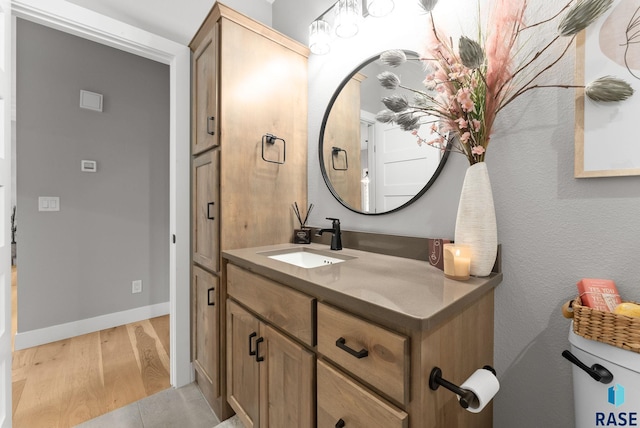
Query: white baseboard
54	333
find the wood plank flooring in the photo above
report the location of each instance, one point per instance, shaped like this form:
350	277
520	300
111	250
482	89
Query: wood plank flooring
64	383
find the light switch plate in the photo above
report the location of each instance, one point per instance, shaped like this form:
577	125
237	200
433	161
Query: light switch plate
89	166
90	100
48	203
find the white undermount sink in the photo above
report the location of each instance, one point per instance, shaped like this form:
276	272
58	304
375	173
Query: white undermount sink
306	257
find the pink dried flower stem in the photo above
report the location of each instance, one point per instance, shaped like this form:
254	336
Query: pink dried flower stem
506	21
465	94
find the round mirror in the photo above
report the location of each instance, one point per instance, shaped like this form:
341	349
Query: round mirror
371	167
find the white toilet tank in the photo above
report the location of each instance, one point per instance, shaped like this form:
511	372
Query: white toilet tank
615	404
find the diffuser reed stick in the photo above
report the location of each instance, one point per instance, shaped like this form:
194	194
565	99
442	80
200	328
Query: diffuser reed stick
296	210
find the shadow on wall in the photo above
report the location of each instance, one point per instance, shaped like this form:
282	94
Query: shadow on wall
541	367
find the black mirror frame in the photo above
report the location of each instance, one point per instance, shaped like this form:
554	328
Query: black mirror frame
325	176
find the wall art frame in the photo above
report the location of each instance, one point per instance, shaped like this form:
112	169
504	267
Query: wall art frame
607	142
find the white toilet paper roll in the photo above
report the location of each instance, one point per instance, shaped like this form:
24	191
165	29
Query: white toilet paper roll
484	385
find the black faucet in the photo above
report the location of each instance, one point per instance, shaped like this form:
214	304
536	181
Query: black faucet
336	237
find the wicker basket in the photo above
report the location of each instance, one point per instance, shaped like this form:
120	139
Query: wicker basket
606	327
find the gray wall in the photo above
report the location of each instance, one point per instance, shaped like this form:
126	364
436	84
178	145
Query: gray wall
113	225
554	229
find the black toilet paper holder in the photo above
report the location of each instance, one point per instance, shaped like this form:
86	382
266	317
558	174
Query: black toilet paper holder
467	398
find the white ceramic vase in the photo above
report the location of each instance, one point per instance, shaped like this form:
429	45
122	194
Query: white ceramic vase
476	220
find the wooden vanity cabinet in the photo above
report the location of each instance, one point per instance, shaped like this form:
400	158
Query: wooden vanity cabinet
458	346
248	81
358	369
270	377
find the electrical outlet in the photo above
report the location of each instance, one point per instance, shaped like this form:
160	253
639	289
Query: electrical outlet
136	286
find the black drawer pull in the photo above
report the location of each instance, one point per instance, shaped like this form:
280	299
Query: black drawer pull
340	343
209	302
210	119
209	216
340	424
258	342
251	336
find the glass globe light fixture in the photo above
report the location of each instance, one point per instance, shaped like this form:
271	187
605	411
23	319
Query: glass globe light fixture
348	14
379	8
319	37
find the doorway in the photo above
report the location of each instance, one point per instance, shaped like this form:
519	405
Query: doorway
84	23
104	228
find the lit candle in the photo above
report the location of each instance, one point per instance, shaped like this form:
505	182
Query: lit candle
457	261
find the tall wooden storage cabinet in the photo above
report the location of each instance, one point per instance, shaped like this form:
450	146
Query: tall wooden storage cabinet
249	164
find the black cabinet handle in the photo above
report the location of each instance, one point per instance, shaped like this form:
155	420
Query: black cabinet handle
209	216
258	342
251	336
340	423
209	302
210	120
596	371
340	343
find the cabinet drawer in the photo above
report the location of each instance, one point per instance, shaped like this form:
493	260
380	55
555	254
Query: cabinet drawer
282	306
339	397
377	356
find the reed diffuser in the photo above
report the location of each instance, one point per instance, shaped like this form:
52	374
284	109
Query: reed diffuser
302	235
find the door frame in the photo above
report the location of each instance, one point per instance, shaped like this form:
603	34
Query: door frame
81	22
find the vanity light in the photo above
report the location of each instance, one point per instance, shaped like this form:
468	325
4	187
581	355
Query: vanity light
348	14
379	8
319	36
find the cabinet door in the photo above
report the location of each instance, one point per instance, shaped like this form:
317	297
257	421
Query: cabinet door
243	377
206	210
205	325
205	93
265	91
286	382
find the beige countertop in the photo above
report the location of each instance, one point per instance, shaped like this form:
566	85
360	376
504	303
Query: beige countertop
398	292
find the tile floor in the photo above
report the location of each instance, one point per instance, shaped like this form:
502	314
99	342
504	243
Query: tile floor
183	407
